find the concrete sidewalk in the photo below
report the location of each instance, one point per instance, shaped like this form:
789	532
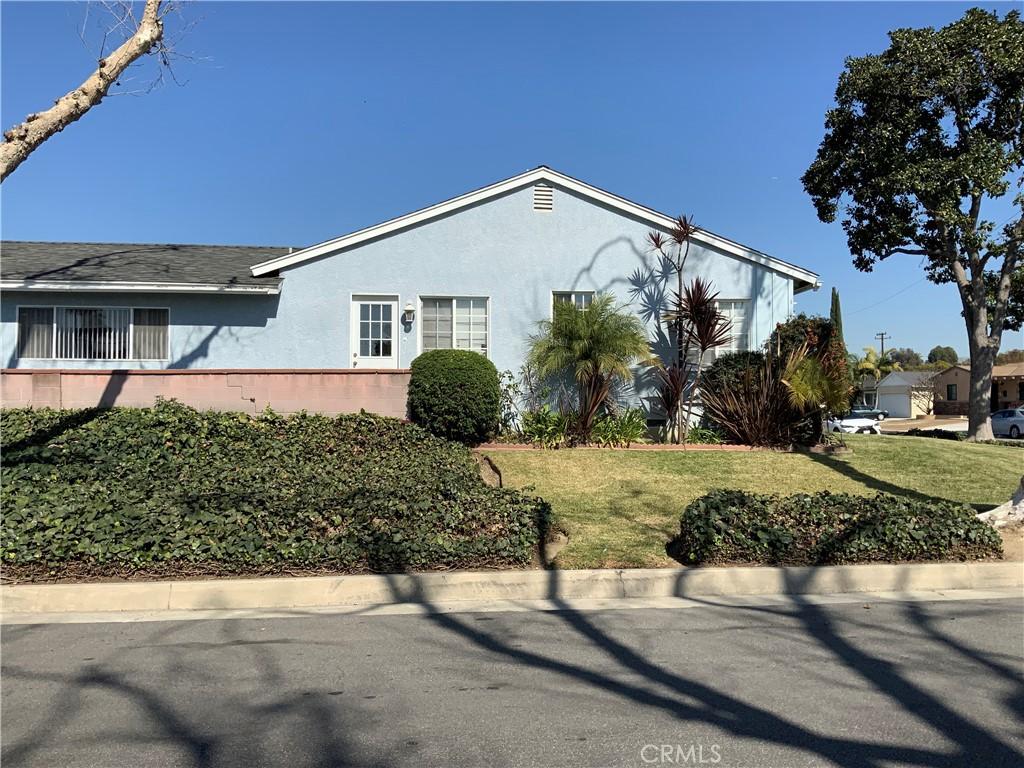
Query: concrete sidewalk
376	590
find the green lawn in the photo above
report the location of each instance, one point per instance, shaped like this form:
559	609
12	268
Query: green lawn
621	507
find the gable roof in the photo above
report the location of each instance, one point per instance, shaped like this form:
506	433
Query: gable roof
138	267
803	278
908	378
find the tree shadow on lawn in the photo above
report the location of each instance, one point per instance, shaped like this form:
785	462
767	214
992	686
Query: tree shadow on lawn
882	486
692	701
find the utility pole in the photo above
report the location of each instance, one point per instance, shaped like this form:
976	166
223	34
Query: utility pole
882	336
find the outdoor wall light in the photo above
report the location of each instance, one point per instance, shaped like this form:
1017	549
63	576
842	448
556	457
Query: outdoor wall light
409	313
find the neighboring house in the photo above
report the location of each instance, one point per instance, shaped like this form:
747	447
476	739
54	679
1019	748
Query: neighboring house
475	272
1007	386
952	388
867	391
906	394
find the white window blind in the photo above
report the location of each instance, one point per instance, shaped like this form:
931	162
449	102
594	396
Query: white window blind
35	332
149	329
455	324
93	333
582	299
739	334
437	324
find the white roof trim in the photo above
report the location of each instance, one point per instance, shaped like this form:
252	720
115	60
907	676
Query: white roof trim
123	287
516	182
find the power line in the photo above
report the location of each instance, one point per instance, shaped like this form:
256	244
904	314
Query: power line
893	296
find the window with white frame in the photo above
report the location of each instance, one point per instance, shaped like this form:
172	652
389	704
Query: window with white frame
93	333
454	323
582	299
735	310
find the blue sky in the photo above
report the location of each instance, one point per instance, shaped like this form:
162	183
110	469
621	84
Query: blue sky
298	122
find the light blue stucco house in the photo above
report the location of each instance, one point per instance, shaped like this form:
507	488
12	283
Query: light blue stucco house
477	271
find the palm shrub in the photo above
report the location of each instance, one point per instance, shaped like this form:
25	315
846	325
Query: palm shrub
815	389
595	346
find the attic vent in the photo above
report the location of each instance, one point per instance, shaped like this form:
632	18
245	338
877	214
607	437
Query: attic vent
543	198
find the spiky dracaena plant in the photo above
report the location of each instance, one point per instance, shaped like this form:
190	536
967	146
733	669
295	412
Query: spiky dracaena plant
754	408
674	248
672	380
595	346
696	311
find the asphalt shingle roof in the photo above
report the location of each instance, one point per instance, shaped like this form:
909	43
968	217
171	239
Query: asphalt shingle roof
135	263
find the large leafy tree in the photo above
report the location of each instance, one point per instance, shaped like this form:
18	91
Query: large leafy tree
906	357
940	354
923	138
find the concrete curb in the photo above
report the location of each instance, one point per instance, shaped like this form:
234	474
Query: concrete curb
328	591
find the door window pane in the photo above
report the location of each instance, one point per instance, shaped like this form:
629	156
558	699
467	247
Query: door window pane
375	329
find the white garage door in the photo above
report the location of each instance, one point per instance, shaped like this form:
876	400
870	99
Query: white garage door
898	405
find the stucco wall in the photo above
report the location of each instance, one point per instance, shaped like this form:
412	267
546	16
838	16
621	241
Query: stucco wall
502	249
954	375
250	391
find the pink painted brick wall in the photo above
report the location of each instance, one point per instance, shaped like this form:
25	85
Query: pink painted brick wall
284	390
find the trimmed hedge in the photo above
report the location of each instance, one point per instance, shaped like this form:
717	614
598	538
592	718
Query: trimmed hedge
825	528
940	434
172	490
455	394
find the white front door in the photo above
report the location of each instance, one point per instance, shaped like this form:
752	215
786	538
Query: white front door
374	331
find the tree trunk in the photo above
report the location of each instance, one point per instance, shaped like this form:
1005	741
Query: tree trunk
23	139
983	350
979	408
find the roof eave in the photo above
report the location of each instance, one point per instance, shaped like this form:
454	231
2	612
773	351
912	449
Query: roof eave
111	286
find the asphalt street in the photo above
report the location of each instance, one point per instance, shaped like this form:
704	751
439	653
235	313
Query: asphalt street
864	683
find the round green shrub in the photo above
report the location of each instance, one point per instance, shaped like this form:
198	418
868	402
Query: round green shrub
455	394
727	526
726	372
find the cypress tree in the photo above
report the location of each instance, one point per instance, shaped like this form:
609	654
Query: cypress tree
836	316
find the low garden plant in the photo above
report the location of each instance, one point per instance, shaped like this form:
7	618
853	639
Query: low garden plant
622	430
455	394
171	491
546	427
730	526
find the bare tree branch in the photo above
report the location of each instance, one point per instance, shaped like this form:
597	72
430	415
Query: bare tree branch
23	139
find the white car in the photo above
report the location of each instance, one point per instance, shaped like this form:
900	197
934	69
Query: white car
1009	422
852	424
